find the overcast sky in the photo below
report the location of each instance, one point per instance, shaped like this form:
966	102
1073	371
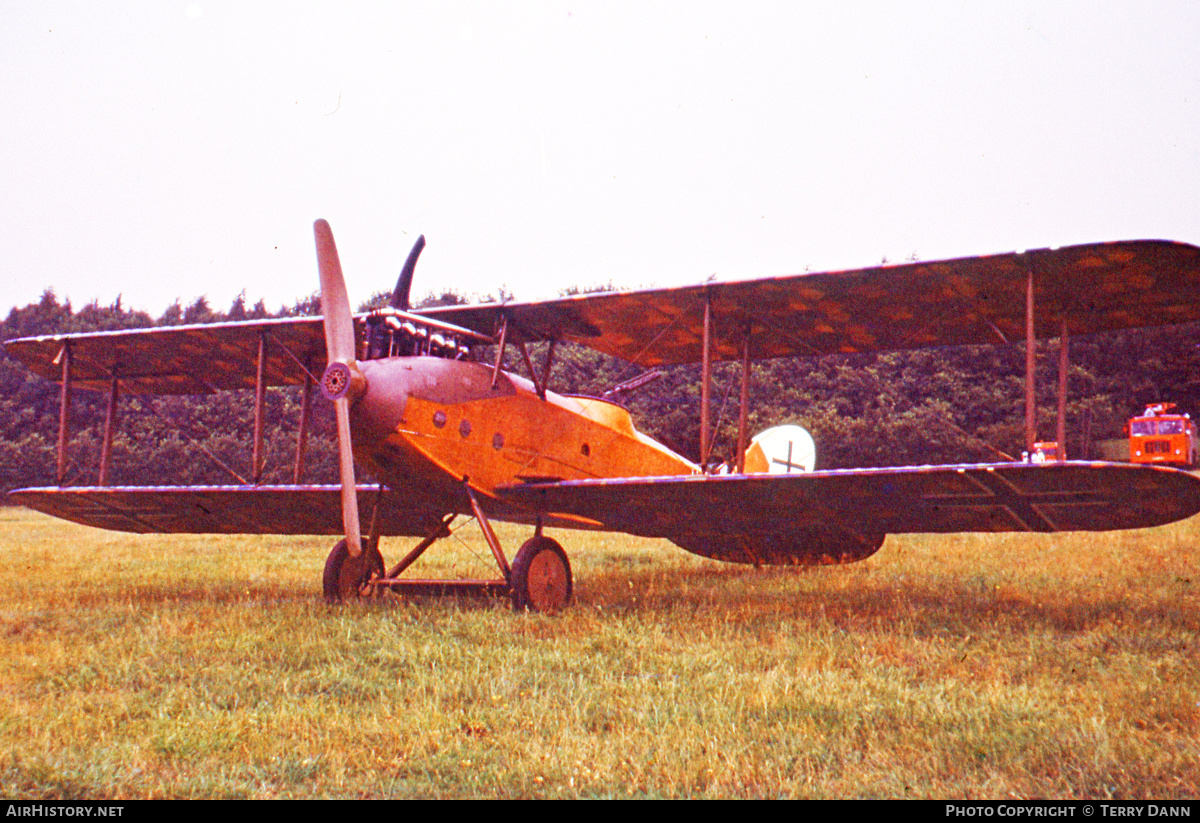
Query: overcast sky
166	150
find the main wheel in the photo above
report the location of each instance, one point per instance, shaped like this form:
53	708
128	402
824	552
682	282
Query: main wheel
541	577
345	575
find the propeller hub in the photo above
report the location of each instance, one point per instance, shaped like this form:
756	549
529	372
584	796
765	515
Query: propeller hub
342	380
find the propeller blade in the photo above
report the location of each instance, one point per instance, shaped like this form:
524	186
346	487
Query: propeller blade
350	521
340	348
404	284
335	305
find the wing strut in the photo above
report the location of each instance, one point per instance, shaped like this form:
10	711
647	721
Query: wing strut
305	367
1030	353
500	349
64	413
1030	370
1064	345
743	402
110	420
260	398
705	383
302	432
1031	420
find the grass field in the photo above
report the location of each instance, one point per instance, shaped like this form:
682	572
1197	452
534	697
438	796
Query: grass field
966	666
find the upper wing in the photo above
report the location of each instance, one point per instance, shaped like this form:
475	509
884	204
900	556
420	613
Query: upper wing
1098	287
1093	288
221	509
182	359
723	515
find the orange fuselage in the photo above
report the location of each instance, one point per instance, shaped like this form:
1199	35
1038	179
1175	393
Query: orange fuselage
424	424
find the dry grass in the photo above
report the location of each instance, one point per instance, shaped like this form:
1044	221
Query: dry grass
967	666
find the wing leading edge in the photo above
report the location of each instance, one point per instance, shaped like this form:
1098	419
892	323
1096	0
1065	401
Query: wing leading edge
220	509
790	518
972	300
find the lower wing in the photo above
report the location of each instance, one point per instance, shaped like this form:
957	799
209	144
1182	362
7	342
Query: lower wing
827	516
220	509
835	516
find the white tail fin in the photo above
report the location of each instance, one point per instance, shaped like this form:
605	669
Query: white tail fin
781	450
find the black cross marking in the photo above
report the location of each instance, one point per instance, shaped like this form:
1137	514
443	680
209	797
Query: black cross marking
1025	508
790	465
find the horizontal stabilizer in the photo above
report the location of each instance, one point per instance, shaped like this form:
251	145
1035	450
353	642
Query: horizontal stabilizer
221	509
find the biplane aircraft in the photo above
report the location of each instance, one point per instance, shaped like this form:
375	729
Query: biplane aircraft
446	433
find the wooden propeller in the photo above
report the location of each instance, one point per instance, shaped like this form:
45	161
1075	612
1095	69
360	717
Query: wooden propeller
340	373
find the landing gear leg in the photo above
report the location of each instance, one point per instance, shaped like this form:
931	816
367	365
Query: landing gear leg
345	576
541	577
538	580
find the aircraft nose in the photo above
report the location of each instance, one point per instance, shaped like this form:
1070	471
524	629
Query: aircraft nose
379	406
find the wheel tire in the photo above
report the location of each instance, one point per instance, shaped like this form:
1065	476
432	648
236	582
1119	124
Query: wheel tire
345	575
541	577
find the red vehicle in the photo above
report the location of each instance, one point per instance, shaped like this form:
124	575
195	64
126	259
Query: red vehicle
1161	434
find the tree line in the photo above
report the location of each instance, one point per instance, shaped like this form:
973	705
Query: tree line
947	405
